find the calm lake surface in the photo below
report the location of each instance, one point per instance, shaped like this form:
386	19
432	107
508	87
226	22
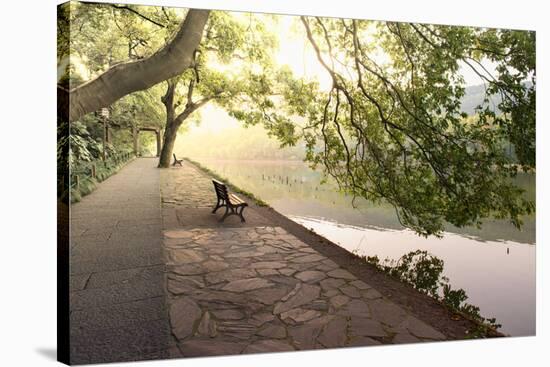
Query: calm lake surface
495	265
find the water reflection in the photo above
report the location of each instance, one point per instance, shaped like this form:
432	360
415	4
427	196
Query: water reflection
294	189
499	279
495	264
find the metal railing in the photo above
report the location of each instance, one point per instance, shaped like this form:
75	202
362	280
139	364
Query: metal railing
89	169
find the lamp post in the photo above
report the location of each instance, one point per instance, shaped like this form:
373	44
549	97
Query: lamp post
135	130
104	117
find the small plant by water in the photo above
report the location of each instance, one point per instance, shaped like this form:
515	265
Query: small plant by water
424	272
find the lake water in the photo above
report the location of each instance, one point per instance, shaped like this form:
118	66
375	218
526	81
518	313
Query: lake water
495	265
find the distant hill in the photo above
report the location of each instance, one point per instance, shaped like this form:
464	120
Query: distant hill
474	96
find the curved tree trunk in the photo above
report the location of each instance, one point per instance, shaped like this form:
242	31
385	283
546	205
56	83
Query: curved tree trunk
169	140
173	120
125	78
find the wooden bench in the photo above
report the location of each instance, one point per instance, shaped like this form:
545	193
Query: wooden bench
176	160
233	204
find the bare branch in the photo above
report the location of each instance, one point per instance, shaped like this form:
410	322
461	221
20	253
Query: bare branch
126	7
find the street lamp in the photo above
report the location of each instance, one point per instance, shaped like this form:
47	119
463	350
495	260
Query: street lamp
104	117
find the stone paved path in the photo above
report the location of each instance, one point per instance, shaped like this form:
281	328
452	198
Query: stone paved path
247	288
117	299
188	198
156	281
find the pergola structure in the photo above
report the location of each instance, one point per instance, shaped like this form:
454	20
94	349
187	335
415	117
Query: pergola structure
109	125
135	134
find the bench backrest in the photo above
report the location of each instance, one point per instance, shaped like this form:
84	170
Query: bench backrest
174	154
221	190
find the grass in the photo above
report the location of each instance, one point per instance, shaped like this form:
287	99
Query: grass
233	187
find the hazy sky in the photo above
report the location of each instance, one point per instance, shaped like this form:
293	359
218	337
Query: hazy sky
296	52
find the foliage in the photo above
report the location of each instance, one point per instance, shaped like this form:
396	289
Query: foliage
103	170
102	35
424	272
62	153
419	269
75	144
140	109
514	52
391	125
77	151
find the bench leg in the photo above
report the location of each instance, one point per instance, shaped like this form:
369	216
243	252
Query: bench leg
219	204
241	214
233	211
228	212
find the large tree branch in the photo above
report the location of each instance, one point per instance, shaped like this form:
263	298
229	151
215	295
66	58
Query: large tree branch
125	78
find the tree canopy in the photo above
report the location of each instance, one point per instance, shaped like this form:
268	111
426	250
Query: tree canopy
391	125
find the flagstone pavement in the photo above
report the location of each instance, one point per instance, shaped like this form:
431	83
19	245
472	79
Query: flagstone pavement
251	287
